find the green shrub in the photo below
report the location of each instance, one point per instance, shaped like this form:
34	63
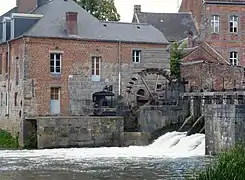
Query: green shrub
230	165
7	141
176	54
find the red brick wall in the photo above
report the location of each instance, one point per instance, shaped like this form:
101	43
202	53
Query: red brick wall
224	41
75	53
203	75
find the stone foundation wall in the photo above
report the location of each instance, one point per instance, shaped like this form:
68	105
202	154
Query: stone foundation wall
135	139
79	131
154	118
224	126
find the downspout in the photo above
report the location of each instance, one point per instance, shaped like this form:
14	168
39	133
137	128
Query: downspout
119	67
8	88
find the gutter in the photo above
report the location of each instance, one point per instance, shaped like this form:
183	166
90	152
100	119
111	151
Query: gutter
8	83
119	68
86	39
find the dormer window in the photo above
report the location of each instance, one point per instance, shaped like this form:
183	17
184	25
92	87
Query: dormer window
6	28
234	24
215	23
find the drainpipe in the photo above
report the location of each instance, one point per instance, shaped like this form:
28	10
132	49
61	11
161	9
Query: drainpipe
119	67
8	88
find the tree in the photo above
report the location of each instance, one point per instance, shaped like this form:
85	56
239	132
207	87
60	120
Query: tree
102	9
176	54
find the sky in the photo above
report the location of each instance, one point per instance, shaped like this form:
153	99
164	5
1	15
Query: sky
124	7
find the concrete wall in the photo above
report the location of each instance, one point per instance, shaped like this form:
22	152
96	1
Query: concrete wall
220	127
135	139
154	118
80	131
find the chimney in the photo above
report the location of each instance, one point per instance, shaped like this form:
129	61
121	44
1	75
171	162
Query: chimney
26	6
190	43
137	8
41	2
71	23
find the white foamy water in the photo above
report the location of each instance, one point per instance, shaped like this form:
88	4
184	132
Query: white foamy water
170	145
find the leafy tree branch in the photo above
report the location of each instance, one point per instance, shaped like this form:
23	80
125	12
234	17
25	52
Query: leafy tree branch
102	9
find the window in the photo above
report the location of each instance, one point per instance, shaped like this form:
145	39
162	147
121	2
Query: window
55	63
6	62
55	93
215	23
234	58
1	64
96	68
234	24
136	56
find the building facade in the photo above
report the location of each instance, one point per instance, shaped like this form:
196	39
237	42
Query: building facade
54	56
221	25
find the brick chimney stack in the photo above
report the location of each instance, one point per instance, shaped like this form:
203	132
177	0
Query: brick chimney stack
71	23
26	6
137	8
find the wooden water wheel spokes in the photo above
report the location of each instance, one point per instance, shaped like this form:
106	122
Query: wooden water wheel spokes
144	89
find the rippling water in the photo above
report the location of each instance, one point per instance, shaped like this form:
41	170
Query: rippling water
172	156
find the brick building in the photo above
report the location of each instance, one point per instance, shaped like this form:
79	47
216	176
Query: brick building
221	25
54	56
205	69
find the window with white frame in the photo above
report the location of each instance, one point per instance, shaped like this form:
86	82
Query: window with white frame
55	63
234	24
96	68
234	58
215	23
136	56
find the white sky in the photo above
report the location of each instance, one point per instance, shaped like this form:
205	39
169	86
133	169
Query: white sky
124	7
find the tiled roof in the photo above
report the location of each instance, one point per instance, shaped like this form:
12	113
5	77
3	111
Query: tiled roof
175	26
53	24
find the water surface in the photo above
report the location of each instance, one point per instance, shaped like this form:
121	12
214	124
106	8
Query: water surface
172	156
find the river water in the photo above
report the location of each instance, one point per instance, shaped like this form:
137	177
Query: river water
172	156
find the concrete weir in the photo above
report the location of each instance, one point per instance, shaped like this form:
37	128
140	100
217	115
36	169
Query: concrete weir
78	131
224	117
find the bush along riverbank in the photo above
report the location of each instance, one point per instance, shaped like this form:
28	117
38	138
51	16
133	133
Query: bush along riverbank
228	166
7	141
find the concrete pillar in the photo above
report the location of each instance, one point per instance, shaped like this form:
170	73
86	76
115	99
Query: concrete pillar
196	102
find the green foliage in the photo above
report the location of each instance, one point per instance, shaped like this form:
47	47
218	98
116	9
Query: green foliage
230	165
176	54
7	141
101	9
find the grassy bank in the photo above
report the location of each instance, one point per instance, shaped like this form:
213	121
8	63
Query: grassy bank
230	165
7	141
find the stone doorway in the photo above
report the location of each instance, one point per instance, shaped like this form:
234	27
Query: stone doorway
30	134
